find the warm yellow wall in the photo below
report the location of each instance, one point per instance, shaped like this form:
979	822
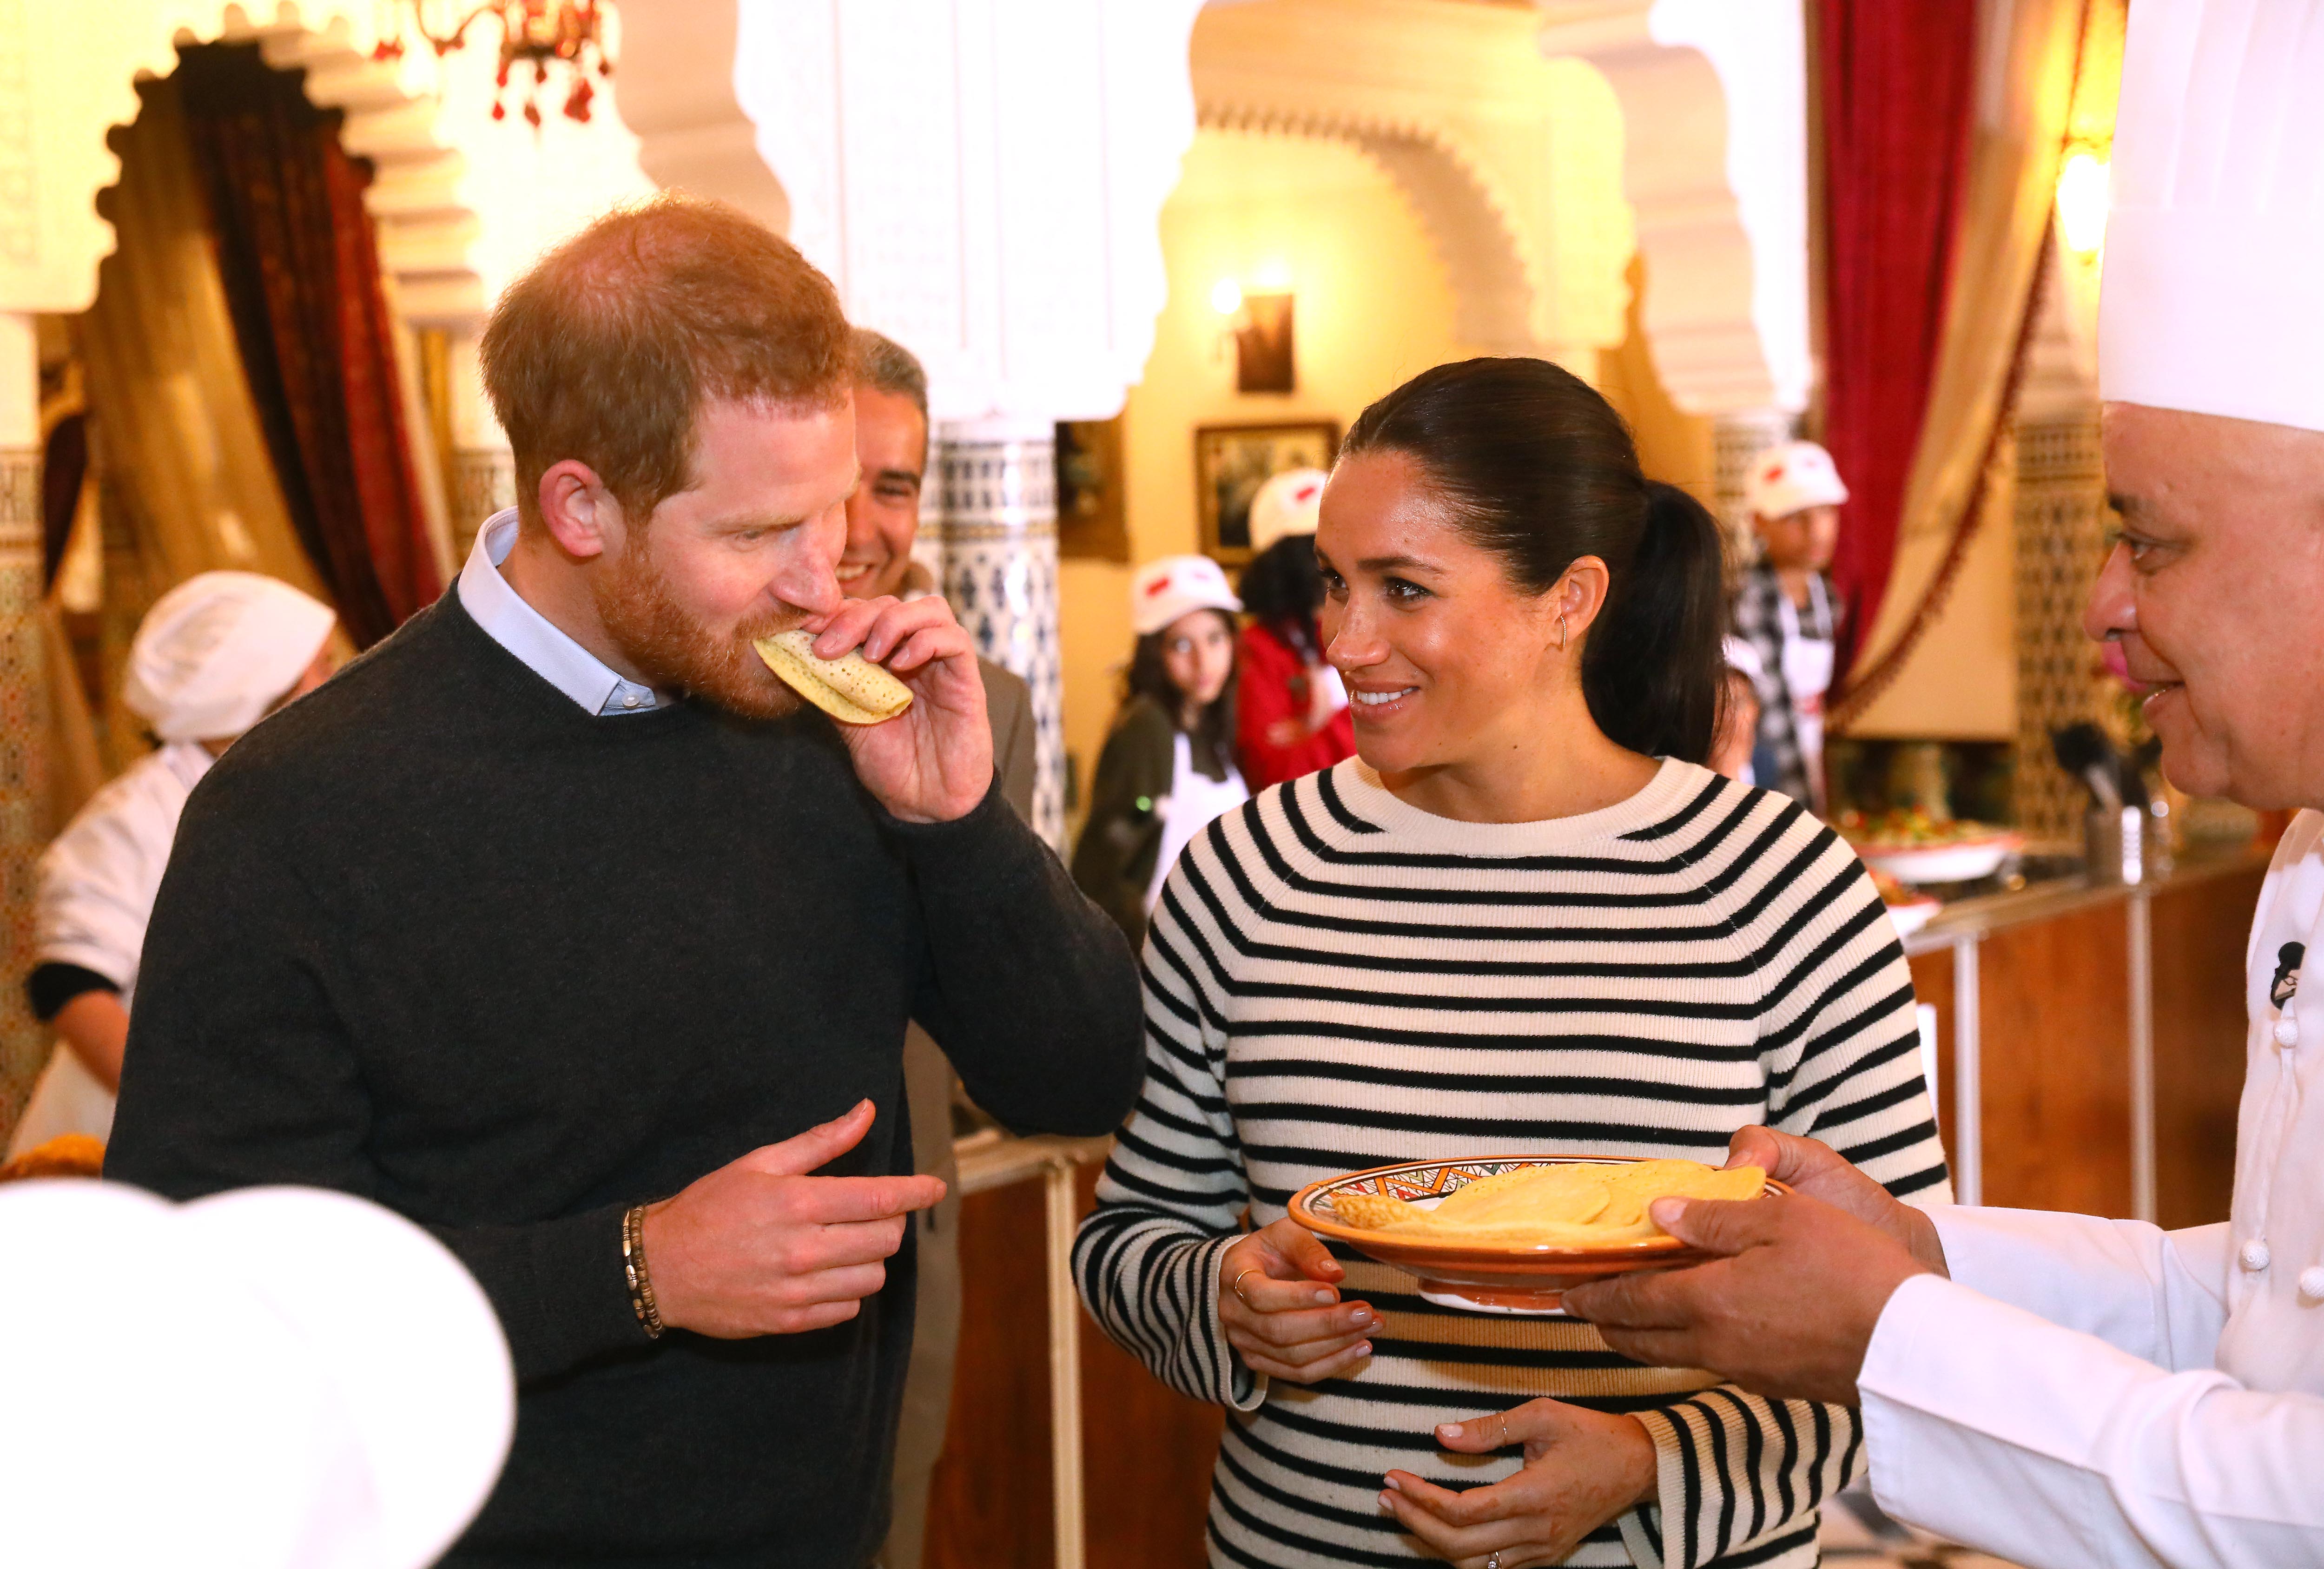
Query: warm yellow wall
1674	445
1373	308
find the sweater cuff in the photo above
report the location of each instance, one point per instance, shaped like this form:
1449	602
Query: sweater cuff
558	1287
977	818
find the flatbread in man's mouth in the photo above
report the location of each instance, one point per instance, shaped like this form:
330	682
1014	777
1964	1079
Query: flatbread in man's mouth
851	688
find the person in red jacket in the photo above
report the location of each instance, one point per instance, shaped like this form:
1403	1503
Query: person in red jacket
1291	711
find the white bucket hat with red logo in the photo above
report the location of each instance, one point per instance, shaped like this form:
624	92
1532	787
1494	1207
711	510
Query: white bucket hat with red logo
1791	478
1165	590
1287	503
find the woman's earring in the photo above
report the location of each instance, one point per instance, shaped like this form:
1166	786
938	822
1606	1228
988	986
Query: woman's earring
1561	634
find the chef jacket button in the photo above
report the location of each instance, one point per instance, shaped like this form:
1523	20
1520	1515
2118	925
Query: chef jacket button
2287	1031
2254	1255
2311	1282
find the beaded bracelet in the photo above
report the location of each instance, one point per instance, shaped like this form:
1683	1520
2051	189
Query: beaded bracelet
633	1268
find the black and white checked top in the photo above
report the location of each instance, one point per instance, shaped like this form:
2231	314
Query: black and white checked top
1336	980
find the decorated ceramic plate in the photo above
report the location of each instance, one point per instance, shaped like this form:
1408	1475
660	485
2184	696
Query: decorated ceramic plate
1495	1275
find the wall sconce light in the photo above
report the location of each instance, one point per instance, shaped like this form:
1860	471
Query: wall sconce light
2082	201
1261	327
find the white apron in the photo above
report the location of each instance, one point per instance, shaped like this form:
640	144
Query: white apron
1808	663
1194	802
97	887
2087	1391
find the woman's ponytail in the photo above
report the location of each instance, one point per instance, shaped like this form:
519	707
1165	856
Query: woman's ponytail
1539	469
1654	670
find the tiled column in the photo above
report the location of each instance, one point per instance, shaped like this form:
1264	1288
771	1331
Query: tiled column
998	505
25	827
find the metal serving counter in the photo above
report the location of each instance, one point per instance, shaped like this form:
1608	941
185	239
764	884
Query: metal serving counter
2054	889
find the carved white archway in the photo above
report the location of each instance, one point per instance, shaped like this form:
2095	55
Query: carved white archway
1714	110
1507	157
53	239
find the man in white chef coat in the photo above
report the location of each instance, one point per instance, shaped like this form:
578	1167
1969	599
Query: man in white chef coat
2085	1391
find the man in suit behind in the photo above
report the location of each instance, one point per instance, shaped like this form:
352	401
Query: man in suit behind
883	517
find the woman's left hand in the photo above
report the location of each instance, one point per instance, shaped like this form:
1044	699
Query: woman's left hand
1582	1469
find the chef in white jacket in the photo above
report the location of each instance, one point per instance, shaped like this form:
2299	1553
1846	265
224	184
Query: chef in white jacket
2058	1389
214	655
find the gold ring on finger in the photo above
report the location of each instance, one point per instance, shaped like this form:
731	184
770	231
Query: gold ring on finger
1238	1284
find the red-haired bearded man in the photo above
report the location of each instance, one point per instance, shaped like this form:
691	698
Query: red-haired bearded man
555	924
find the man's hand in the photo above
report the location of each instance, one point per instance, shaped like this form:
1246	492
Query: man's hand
759	1246
1819	1171
1787	1311
1279	1301
934	763
1582	1469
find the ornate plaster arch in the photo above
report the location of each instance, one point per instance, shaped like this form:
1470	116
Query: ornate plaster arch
1472	225
51	241
1713	99
1507	156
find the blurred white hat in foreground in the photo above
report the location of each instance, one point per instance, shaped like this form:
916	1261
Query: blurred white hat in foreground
217	652
2212	297
270	1378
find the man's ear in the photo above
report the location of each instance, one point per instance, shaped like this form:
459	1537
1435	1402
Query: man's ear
581	515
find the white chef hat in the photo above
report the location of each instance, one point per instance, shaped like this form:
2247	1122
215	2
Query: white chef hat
1165	590
1286	504
2212	299
213	655
1791	478
272	1378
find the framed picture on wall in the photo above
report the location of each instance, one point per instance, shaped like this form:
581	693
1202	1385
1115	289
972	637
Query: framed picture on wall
1233	461
1092	523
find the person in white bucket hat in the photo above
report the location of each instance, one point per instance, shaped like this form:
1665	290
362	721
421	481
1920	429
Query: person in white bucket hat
1786	609
214	655
1167	770
2058	1389
1291	706
270	1378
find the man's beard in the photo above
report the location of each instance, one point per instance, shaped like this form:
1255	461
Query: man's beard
679	652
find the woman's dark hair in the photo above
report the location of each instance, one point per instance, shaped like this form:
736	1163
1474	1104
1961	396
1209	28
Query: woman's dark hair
1211	740
1283	588
1538	469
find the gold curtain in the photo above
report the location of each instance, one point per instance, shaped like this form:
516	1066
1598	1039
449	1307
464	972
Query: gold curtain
2024	93
185	480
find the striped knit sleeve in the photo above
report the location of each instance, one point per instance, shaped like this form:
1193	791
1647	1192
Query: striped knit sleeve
1840	1053
1839	1037
1171	1199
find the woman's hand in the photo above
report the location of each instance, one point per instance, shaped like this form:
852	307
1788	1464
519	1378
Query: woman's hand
1280	1300
1582	1469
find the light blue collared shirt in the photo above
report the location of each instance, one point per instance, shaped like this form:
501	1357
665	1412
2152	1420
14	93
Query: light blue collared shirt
536	640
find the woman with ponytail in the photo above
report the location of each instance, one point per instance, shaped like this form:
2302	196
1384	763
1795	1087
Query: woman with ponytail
1524	917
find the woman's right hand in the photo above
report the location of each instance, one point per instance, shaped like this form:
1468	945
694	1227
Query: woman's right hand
1280	1300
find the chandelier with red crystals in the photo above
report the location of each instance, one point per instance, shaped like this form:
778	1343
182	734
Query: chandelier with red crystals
535	34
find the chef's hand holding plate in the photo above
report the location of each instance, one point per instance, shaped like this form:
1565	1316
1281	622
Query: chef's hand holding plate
1280	1302
934	762
1788	1307
759	1246
1582	1469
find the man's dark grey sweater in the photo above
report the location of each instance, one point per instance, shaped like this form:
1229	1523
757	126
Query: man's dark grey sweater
436	935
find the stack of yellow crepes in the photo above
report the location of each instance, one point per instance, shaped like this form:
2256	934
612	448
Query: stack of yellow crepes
1577	1206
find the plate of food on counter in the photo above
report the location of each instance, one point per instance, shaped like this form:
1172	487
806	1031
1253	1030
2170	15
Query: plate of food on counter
1509	1233
1908	907
1913	846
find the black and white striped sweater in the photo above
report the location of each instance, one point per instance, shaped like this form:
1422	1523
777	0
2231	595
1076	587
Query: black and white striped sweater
1336	980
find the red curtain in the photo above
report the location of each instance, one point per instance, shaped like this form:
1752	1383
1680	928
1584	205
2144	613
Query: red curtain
1899	78
297	255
